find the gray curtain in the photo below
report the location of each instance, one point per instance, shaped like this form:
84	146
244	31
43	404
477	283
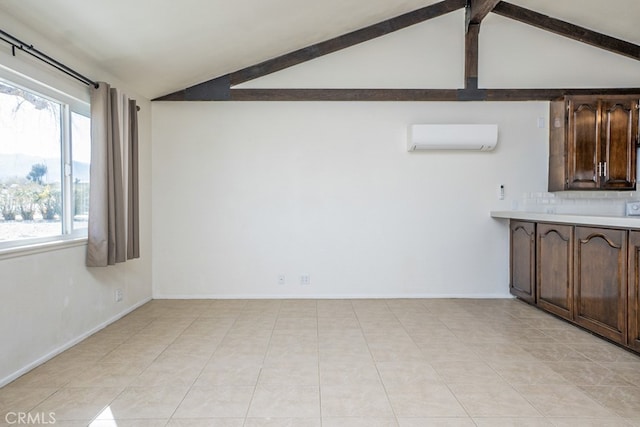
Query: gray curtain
133	219
113	199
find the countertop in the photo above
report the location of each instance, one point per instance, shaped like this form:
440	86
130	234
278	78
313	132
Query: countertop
631	222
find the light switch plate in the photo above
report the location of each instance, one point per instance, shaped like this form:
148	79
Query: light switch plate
633	208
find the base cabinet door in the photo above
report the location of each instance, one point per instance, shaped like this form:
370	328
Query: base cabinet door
600	281
522	259
554	270
633	301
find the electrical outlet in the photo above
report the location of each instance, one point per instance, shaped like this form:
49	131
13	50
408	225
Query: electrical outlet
281	279
305	280
119	295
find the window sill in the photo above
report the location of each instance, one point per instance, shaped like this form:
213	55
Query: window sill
40	247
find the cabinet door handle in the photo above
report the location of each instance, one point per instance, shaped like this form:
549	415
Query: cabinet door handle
599	168
605	169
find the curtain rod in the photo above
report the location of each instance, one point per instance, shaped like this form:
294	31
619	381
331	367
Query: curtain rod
29	49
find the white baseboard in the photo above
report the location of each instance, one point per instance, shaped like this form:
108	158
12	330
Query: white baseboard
6	380
340	296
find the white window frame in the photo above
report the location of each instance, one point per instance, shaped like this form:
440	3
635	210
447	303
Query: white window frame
69	104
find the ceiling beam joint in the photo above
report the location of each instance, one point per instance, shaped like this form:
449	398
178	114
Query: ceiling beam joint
477	10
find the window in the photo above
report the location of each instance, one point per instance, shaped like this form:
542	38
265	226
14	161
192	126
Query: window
45	153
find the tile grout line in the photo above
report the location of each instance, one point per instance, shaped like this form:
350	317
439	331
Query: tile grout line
203	366
264	357
491	322
94	419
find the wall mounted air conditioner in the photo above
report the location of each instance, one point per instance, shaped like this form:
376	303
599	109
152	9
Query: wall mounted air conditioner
452	137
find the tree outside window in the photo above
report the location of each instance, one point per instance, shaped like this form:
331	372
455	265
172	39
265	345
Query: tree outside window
39	166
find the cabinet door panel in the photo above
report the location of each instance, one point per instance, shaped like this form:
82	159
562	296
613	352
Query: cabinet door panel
633	302
558	180
583	144
600	262
522	260
619	131
554	278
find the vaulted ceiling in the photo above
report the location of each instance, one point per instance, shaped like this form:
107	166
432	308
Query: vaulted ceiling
160	46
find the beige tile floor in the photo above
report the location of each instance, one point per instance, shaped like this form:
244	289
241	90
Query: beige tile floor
334	363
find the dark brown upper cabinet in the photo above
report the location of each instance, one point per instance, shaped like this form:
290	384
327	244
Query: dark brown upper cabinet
592	143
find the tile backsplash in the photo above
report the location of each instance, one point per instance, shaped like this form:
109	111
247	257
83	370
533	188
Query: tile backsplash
608	203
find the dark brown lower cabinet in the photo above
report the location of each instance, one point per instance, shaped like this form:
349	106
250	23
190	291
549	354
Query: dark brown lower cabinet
633	294
587	275
522	261
600	281
554	278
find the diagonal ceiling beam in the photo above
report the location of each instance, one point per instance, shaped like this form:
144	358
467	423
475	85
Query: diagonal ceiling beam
567	29
478	9
219	89
212	90
346	40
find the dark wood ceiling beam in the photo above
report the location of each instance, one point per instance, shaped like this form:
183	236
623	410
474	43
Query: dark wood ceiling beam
475	12
471	42
219	89
343	94
212	90
478	9
567	29
346	40
308	53
418	94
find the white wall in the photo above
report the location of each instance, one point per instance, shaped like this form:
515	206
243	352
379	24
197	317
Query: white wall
51	300
516	55
244	192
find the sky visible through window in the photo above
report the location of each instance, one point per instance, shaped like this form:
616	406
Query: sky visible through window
31	171
28	127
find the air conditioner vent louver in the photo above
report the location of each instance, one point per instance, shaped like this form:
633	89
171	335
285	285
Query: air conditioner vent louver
453	137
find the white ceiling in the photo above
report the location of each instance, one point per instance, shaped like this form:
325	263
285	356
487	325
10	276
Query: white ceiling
160	46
